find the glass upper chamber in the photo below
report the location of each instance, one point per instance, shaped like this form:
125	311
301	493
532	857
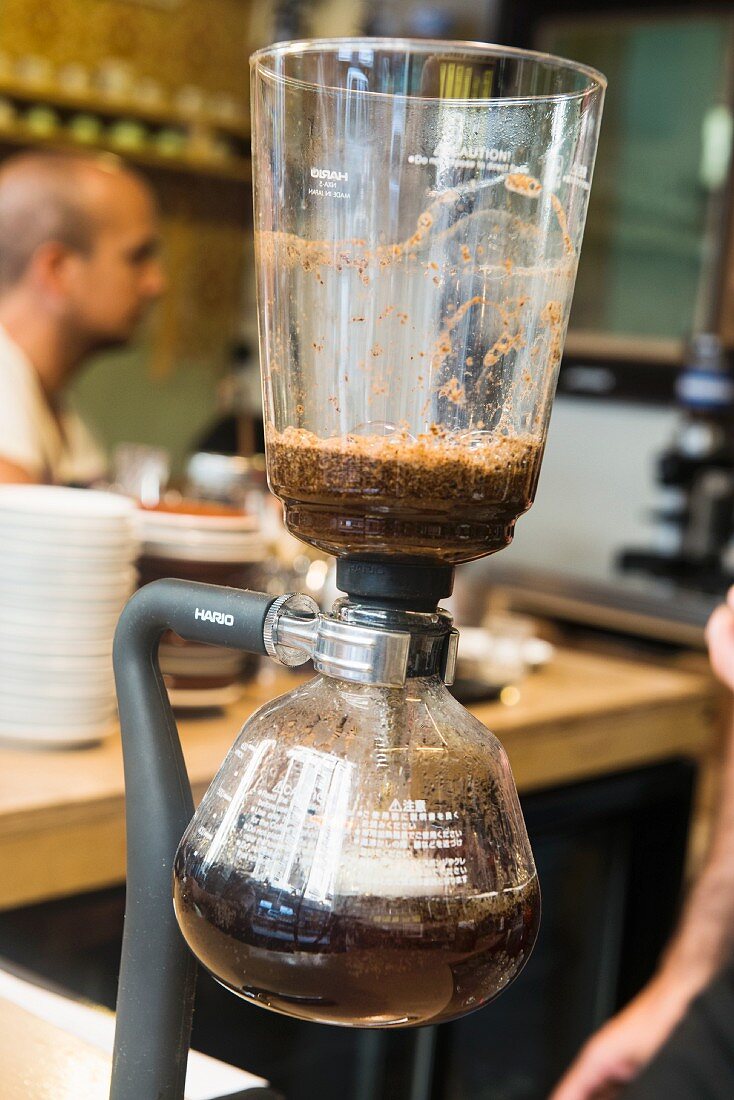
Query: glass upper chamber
419	209
361	859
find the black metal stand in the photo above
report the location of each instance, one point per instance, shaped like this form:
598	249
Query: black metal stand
157	971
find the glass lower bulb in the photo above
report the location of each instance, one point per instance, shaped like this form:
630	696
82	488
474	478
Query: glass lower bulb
361	859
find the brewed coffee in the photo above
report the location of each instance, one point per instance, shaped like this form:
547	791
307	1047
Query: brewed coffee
363	961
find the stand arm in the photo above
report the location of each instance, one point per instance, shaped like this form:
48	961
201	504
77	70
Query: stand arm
157	971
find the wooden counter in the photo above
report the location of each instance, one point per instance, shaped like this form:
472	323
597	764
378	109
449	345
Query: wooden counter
40	1061
62	811
54	1047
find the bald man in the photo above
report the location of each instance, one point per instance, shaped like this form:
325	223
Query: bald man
79	267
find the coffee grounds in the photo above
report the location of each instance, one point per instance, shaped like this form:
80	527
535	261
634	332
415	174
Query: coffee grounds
446	496
403	469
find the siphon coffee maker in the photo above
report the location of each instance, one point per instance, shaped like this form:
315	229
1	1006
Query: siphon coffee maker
361	857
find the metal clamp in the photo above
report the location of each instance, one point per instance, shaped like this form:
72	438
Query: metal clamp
361	654
448	658
295	631
300	610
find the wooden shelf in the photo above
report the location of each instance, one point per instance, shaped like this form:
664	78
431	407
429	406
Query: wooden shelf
236	169
636	349
120	108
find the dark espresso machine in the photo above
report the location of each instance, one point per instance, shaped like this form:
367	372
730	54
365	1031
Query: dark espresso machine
693	522
361	858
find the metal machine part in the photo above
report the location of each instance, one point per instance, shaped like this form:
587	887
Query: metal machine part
295	608
362	644
694	515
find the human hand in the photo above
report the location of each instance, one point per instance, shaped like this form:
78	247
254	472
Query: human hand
619	1051
720	640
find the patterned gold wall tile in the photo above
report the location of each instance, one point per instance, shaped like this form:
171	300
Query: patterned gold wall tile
202	42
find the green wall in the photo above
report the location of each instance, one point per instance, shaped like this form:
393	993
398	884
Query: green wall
122	403
645	247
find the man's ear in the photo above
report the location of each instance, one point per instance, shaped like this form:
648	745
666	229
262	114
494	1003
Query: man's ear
50	269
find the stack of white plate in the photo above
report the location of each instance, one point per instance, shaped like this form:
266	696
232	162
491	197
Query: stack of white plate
218	546
200	536
198	542
66	569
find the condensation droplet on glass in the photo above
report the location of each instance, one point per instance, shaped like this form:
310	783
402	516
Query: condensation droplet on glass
382	428
477	438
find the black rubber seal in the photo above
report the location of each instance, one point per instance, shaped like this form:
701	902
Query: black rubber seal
412	586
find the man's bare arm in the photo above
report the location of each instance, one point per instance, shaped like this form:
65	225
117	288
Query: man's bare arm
11	474
705	935
703	941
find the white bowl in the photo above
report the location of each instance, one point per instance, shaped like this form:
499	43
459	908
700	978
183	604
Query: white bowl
18	695
18	681
152	532
55	712
148	519
55	708
14	661
56	735
14	534
90	689
54	639
43	637
25	640
82	586
48	549
63	599
64	585
246	549
55	685
69	696
77	620
74	612
67	504
61	668
37	655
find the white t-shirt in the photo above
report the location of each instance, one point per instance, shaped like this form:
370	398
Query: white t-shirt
54	449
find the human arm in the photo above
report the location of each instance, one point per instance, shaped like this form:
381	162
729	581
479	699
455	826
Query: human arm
12	474
702	941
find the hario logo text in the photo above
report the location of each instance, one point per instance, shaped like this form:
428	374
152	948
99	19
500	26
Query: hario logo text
214	617
328	174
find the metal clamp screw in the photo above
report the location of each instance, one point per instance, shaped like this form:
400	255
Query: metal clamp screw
299	605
